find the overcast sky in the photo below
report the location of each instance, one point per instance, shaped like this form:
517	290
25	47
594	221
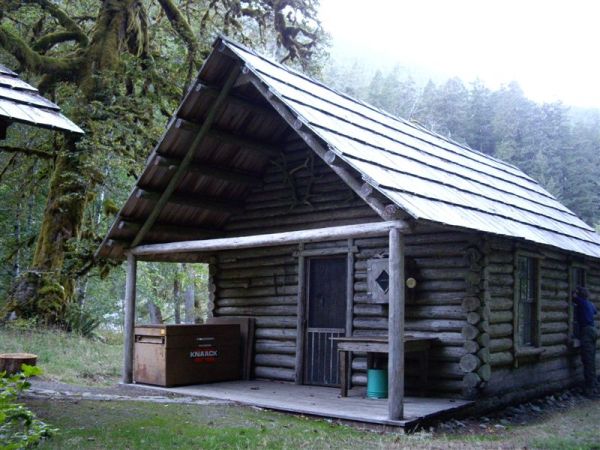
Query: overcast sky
552	48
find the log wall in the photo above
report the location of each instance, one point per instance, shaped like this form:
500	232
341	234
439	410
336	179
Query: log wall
516	377
464	296
263	283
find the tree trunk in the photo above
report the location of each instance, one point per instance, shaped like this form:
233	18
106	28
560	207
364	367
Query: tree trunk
46	288
177	297
190	296
155	313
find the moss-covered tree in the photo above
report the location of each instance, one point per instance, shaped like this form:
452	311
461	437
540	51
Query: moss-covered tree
118	67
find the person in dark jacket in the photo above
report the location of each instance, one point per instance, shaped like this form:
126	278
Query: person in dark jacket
584	314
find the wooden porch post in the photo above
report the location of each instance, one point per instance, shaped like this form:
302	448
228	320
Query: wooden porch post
129	322
396	326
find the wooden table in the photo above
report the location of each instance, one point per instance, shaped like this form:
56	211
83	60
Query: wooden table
370	345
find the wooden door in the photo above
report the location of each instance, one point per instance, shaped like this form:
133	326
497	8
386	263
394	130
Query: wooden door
326	318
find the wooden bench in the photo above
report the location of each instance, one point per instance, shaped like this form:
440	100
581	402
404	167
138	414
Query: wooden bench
419	346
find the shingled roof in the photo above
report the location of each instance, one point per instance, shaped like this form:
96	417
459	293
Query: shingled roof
21	102
431	178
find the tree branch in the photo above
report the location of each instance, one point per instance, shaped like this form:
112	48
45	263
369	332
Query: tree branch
27	151
63	18
48	41
182	28
65	68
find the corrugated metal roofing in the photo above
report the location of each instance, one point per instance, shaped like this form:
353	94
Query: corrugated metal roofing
21	102
428	176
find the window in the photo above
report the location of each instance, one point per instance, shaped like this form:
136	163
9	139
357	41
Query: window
577	277
527	301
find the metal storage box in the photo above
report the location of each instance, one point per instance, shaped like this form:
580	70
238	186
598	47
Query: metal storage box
175	355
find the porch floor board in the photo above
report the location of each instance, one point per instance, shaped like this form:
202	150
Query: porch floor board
320	401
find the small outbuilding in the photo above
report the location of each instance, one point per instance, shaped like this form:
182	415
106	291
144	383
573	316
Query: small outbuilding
345	232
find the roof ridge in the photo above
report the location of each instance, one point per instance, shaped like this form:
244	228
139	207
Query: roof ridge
372	107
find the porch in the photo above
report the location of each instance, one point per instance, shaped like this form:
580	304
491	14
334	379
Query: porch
322	401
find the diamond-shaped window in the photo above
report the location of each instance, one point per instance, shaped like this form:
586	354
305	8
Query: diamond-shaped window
383	280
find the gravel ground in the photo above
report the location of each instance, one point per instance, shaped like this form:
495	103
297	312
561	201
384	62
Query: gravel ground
515	415
41	388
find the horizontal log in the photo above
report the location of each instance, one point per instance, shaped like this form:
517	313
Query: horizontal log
501	258
259	291
501	359
501	344
447	353
370	310
340	215
554	338
500	303
446	338
554	327
254	253
501	317
274	373
442	274
434	325
275	360
273	346
554	351
554	316
498	268
276	321
501	291
500	330
279	310
261	262
442	285
284	334
277	281
437	312
315	235
258	301
257	272
501	280
555	305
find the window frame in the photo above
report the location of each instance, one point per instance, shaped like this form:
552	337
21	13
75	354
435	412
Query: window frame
527	350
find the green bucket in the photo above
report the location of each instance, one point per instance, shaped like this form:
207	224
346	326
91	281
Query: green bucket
377	383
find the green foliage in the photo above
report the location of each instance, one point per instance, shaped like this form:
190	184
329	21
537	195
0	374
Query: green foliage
19	427
68	357
80	321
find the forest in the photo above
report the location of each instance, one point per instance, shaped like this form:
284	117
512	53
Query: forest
119	69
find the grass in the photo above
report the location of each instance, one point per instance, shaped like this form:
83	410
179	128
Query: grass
67	358
136	425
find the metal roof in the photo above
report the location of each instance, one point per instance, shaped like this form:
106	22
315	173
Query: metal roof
428	176
432	179
21	102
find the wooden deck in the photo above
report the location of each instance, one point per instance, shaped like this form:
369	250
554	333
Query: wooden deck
321	401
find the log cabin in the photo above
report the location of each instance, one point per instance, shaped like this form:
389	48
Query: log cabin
325	219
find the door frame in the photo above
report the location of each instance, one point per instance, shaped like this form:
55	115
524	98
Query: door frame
301	324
